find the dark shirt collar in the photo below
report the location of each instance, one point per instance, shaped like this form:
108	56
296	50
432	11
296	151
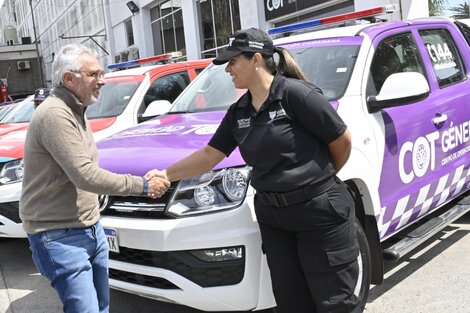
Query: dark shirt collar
69	99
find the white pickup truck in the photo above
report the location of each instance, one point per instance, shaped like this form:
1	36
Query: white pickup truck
403	90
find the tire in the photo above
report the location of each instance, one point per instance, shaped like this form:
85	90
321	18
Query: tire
365	266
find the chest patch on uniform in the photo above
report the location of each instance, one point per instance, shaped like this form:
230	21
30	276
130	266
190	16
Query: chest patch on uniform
243	123
277	114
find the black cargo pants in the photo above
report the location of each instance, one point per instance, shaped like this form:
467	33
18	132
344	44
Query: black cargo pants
312	252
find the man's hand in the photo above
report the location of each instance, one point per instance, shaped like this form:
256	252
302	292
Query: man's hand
157	186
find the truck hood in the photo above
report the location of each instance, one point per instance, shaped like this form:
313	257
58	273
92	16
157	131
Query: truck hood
12	144
12	141
161	142
6	128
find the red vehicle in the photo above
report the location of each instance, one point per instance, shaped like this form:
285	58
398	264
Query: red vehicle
129	97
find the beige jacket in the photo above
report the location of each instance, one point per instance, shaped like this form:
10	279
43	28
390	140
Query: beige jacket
61	173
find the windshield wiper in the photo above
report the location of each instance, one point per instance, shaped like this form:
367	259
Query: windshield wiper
180	112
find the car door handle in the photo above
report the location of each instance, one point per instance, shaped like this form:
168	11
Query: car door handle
439	119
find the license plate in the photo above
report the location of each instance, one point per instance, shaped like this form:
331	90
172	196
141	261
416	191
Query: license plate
113	244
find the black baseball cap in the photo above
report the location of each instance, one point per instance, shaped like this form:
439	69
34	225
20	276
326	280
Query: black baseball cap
246	40
40	94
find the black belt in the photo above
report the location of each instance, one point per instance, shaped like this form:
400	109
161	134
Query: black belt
293	197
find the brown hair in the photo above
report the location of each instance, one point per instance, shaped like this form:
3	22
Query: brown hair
286	66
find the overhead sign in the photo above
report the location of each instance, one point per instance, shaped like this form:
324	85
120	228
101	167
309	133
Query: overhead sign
276	8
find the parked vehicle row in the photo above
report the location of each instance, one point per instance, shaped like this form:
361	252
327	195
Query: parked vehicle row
401	87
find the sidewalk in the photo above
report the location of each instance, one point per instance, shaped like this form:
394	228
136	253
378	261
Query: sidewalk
22	289
4	300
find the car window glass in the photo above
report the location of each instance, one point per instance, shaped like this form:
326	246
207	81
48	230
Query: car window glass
167	87
444	56
328	67
114	96
212	90
465	29
21	113
4	110
393	54
199	70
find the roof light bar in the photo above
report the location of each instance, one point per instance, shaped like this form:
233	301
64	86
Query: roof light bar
160	57
334	19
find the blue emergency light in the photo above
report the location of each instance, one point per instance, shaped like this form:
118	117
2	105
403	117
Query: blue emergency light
334	19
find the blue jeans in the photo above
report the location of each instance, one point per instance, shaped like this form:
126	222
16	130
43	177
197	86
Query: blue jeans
75	260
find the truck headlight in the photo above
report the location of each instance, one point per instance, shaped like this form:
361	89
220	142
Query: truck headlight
12	172
209	192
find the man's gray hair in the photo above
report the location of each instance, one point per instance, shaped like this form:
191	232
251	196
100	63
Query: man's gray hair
67	60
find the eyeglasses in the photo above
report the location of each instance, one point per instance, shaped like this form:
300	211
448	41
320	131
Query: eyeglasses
98	74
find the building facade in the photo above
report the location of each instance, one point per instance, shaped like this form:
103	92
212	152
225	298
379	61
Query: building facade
121	30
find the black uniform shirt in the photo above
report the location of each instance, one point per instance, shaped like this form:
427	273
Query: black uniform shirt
286	141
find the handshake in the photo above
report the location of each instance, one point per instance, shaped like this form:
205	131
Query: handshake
158	183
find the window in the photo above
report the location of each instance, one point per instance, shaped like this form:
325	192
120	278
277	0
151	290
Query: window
167	87
130	33
329	67
114	96
219	19
394	54
444	56
167	27
199	70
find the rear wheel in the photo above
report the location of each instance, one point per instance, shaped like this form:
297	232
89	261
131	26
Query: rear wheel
365	266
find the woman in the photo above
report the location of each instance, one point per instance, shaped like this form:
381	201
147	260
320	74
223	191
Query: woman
295	142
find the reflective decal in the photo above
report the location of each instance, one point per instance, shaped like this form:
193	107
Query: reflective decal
422	152
412	206
441	56
203	129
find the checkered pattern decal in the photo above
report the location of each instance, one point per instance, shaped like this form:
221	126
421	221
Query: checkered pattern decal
429	197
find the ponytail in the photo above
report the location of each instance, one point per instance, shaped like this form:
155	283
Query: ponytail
286	66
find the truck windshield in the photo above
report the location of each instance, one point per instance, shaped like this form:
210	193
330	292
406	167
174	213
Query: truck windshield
327	66
114	96
21	113
212	90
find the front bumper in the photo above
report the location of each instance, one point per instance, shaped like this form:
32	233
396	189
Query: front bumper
10	223
155	262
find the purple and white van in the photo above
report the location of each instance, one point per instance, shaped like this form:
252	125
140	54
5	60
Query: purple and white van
403	90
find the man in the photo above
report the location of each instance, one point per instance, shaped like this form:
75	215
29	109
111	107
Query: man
40	95
59	203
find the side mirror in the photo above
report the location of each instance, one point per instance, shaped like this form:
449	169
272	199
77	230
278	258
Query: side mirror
399	89
155	108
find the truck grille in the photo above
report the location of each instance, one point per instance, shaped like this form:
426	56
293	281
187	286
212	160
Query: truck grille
143	280
205	274
137	207
11	211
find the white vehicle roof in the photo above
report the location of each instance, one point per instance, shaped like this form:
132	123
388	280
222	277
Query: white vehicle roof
326	33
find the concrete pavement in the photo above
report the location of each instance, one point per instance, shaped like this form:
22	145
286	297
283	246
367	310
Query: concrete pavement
433	278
